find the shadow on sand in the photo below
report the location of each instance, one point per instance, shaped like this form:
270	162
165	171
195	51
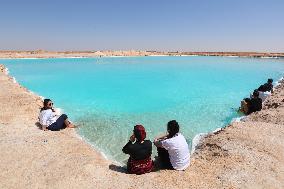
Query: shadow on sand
38	125
118	168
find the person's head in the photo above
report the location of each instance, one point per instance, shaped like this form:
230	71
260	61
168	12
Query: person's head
139	132
47	104
173	128
270	81
255	93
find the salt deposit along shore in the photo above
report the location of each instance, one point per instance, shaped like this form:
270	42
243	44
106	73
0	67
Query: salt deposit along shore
246	154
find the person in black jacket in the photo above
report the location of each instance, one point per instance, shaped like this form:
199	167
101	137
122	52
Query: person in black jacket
267	87
140	151
253	104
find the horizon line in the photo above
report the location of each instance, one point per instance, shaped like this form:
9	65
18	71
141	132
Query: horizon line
154	51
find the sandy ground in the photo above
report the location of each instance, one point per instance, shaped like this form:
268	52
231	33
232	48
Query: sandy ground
247	154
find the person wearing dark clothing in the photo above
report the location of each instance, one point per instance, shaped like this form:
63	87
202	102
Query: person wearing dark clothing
254	103
267	86
164	158
137	150
140	151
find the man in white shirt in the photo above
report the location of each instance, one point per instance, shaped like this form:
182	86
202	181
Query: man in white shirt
172	148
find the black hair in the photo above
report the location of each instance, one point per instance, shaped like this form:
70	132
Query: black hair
173	128
270	80
45	102
255	93
247	100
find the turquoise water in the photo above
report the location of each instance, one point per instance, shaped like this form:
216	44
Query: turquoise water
108	96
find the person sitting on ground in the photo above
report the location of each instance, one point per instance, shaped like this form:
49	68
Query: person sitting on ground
48	118
266	89
140	151
173	152
253	104
245	106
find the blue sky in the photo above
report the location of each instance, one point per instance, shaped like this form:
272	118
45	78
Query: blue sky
183	25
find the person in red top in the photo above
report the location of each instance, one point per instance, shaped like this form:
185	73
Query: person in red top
140	151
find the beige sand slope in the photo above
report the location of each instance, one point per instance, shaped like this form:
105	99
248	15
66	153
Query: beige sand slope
248	154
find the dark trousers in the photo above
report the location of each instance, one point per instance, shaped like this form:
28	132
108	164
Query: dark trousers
59	124
164	158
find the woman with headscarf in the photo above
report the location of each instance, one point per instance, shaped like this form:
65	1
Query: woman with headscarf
140	151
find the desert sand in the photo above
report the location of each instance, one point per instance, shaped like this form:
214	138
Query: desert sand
246	154
69	54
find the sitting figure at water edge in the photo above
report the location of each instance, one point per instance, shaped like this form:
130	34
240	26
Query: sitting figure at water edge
253	104
140	151
49	120
173	152
266	89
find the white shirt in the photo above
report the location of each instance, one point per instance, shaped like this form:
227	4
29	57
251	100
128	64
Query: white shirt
177	148
264	95
47	117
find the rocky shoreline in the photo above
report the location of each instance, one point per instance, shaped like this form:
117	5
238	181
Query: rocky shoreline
246	154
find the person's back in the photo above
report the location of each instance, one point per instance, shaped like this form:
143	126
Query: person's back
267	87
177	148
139	151
261	88
255	104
